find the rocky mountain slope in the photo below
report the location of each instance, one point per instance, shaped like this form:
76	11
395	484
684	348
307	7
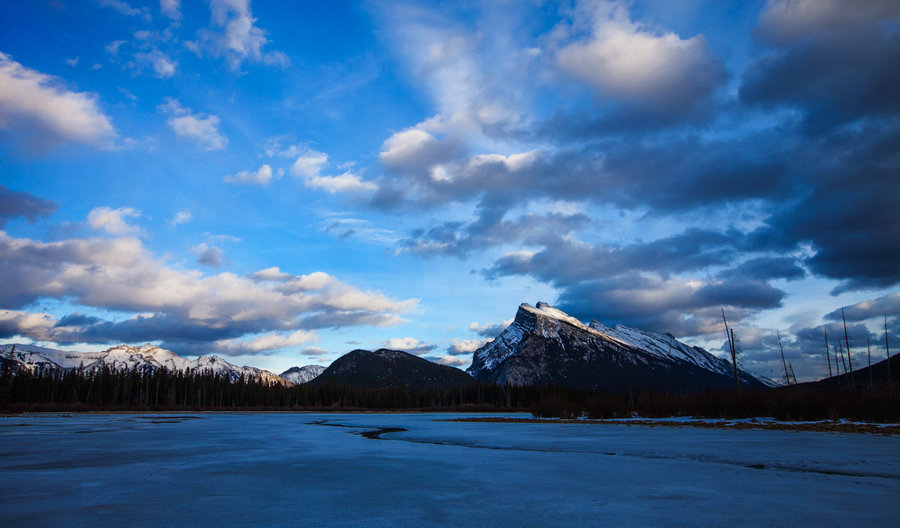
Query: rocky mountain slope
123	357
545	346
300	375
384	368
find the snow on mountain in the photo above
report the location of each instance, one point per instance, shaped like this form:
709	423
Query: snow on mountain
664	346
545	345
146	358
300	375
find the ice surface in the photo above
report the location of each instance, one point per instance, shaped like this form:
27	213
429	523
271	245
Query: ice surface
279	470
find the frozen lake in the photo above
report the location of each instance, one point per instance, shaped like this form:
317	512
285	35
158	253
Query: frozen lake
283	470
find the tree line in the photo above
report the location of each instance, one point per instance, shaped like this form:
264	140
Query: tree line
163	390
159	389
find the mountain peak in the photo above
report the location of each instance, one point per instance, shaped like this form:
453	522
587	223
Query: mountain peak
304	374
146	358
385	368
545	345
546	318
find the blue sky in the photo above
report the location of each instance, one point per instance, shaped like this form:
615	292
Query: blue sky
279	183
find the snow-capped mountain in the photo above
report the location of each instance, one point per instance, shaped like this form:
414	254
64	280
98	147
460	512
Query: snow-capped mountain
546	346
123	357
300	375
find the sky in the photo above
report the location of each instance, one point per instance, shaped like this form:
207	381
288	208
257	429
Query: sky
279	183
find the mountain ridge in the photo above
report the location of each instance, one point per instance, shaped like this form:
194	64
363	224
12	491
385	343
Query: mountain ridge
147	357
546	346
304	374
385	368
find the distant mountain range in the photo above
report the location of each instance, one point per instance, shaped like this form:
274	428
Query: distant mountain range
542	346
546	346
300	375
362	369
123	357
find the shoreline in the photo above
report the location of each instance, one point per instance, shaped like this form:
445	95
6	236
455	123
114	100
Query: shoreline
825	426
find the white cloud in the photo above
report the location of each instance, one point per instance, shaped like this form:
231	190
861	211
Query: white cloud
122	7
465	346
477	79
314	351
263	343
271	274
489	331
452	361
163	67
622	60
120	274
204	129
344	183
513	162
181	217
235	36
405	145
363	229
113	220
408	344
275	146
171	8
72	61
38	326
261	176
309	166
416	151
113	47
42	111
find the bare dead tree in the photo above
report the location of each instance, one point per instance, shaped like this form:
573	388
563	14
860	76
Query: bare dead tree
729	334
787	379
837	366
847	339
827	354
841	345
887	350
869	356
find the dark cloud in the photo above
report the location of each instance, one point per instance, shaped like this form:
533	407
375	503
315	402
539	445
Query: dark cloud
833	79
489	331
677	175
766	268
564	261
77	319
681	307
652	284
838	65
175	330
790	21
814	338
210	255
849	212
22	204
746	294
887	305
458	238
